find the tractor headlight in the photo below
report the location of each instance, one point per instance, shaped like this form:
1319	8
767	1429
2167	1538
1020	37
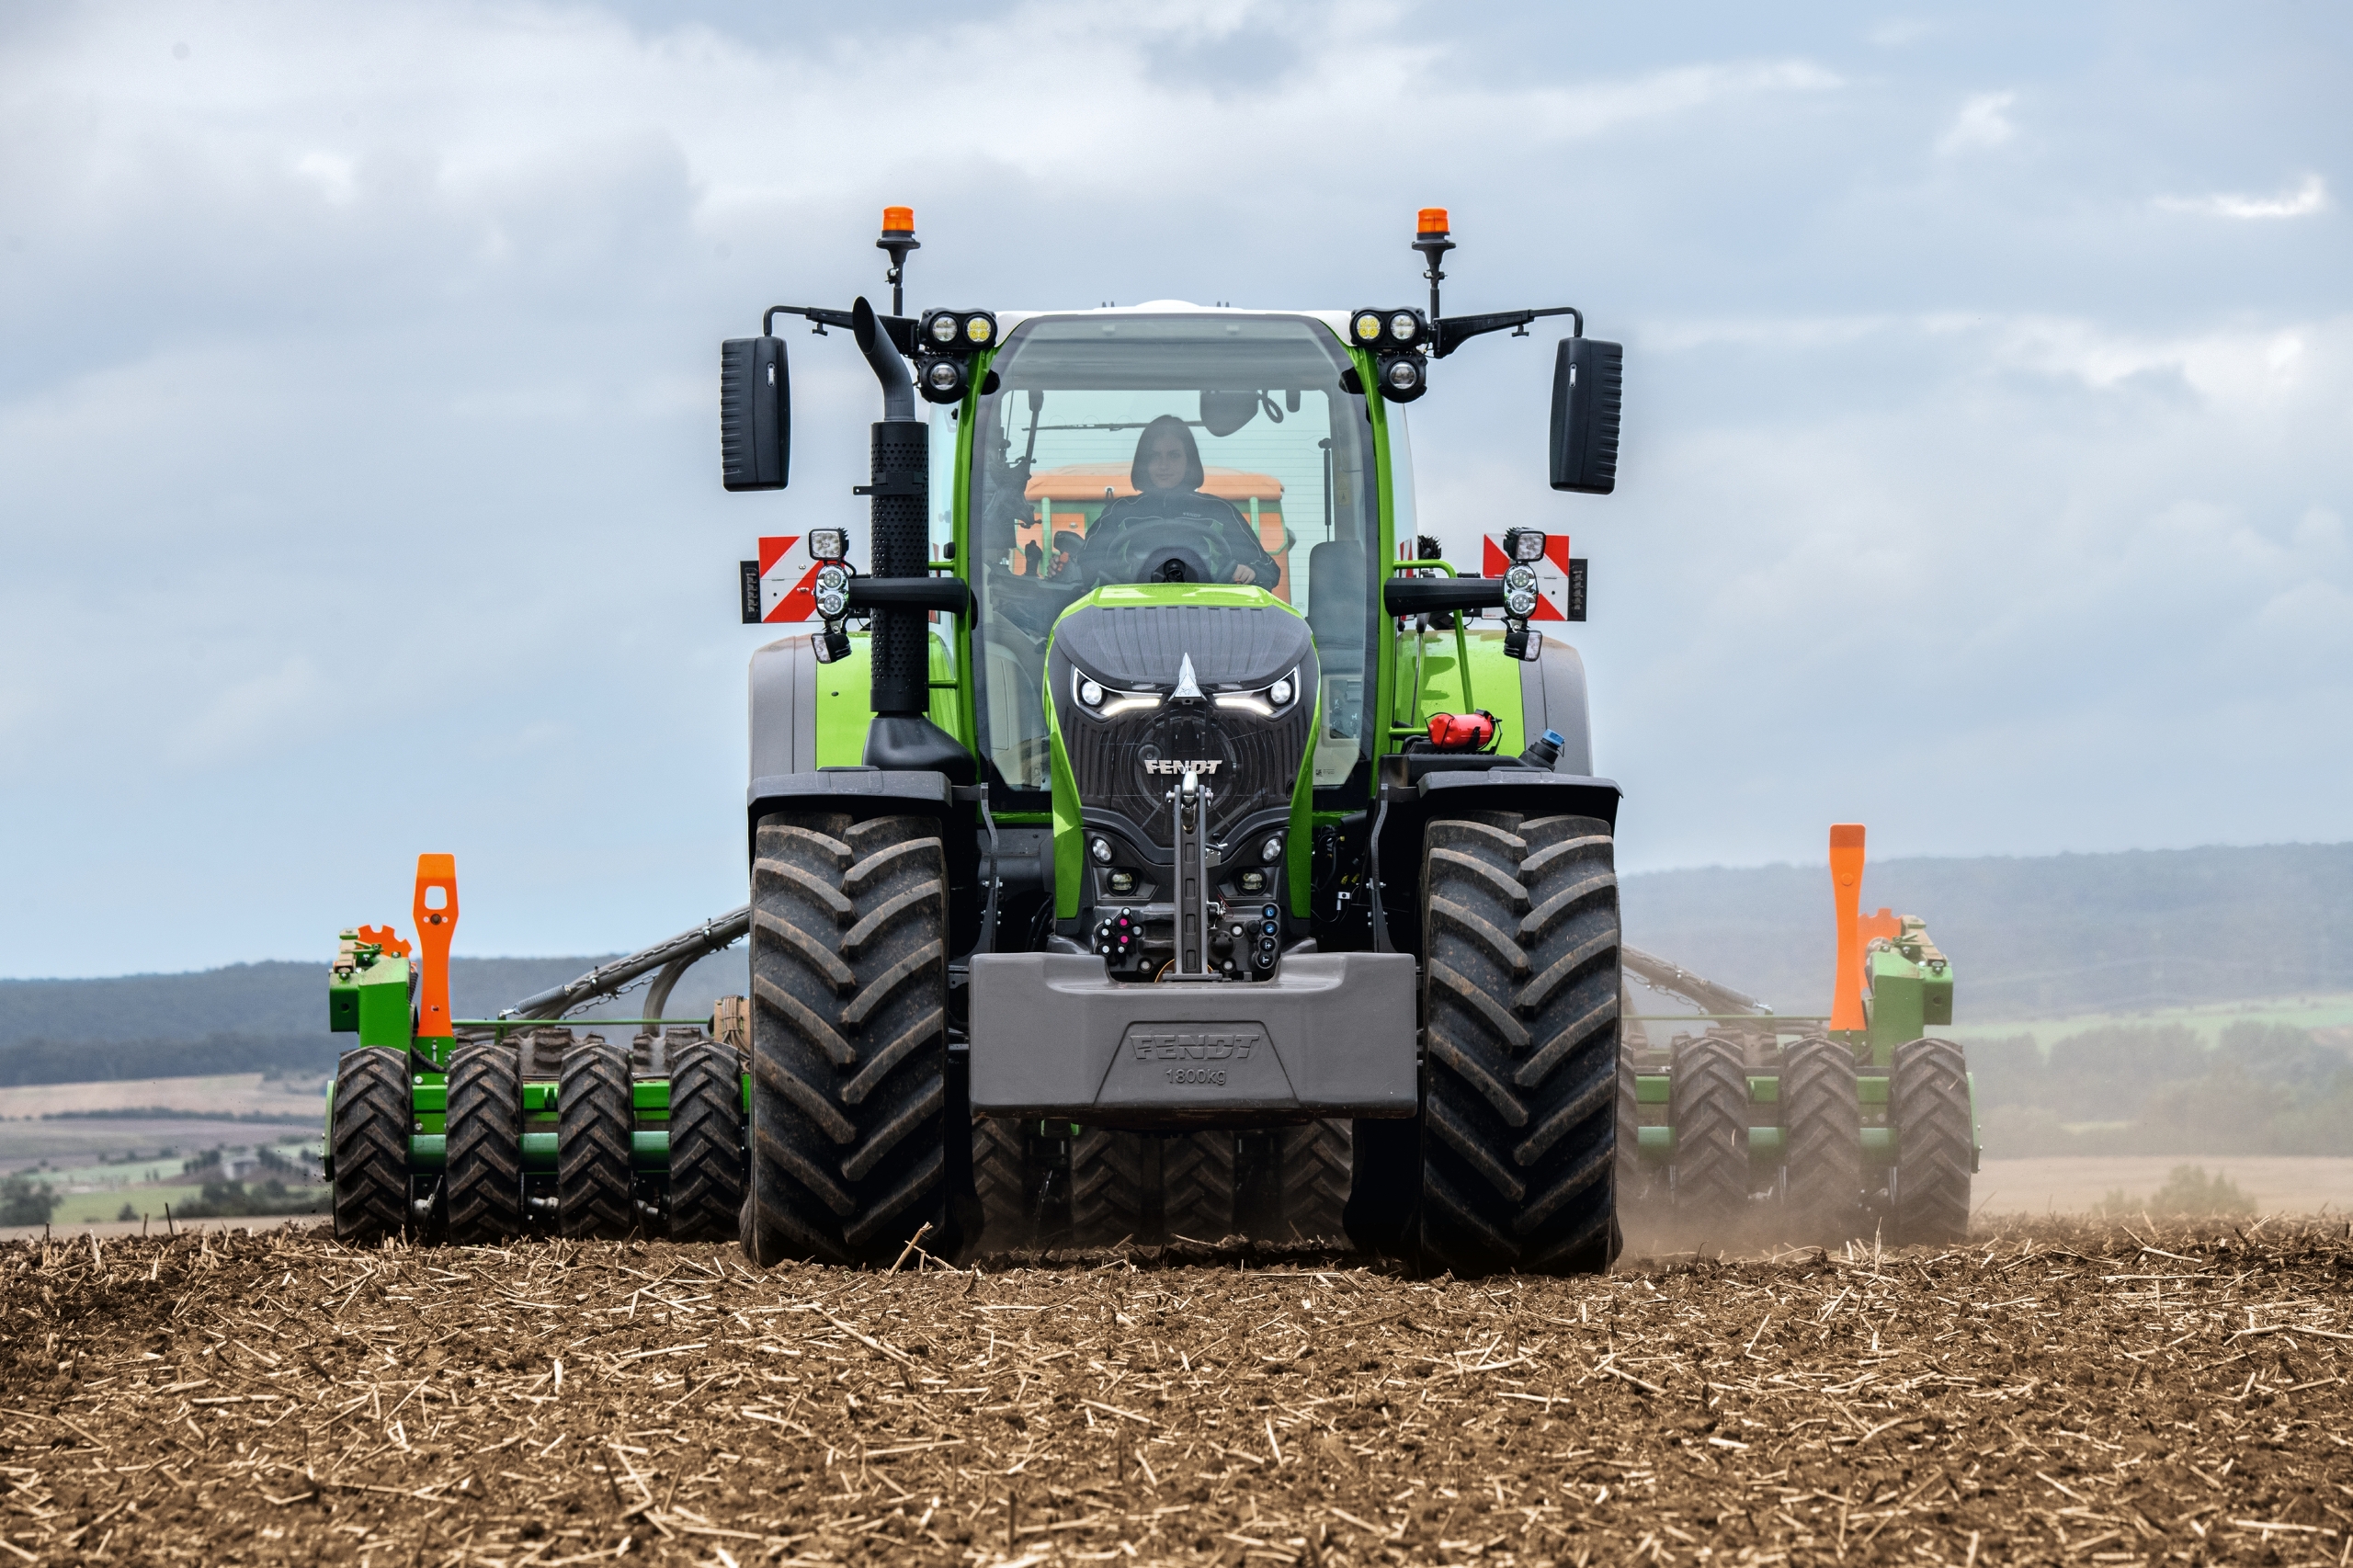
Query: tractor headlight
1265	702
1519	592
1367	326
1272	850
832	590
1105	703
942	329
829	544
1401	377
1524	544
1402	326
944	375
980	330
1101	849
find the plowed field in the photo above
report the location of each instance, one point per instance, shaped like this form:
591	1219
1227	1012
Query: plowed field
2048	1394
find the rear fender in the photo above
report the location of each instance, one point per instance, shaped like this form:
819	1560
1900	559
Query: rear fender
1413	801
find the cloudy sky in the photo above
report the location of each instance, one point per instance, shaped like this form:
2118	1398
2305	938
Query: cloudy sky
1988	470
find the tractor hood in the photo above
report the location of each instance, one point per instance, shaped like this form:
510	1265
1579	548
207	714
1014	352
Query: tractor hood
1145	681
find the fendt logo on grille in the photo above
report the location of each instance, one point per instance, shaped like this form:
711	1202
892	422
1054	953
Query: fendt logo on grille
1174	765
1195	1044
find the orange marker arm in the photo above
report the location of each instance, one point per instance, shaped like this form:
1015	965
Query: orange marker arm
435	926
1846	887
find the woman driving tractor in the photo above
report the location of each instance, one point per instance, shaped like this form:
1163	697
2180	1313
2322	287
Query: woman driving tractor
1171	515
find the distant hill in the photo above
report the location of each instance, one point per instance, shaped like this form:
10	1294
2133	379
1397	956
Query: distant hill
2046	937
267	1016
2065	934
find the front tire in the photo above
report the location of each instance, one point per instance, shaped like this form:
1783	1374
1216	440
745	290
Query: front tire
1522	993
849	1039
369	1133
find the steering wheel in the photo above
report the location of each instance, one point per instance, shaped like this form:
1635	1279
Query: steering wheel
1184	549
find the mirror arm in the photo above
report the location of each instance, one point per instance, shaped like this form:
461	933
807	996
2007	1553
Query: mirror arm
901	329
1453	332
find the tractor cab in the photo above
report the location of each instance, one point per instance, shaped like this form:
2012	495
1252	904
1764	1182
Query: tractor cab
1168	450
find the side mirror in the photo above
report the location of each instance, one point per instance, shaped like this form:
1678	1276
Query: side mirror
754	414
1586	380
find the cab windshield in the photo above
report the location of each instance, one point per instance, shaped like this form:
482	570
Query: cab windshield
1179	448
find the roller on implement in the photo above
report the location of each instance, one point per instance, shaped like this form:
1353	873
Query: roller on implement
1157	840
1823	1128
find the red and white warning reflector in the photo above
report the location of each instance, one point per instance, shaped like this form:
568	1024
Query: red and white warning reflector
787	579
1552	574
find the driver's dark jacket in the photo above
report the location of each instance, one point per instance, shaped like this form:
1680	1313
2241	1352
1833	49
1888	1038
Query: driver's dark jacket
1160	505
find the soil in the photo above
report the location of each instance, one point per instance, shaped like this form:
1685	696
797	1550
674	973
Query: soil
2051	1394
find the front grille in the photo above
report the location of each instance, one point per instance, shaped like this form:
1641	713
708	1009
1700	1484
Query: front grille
1258	762
1144	646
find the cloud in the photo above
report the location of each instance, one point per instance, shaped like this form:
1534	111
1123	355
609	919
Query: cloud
356	408
2302	202
1984	121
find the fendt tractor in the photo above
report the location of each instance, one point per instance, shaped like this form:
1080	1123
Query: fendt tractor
1157	841
1145	873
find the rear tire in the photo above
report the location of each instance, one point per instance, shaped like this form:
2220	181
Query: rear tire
1521	992
1821	1142
706	1143
595	1116
1109	1186
1928	1106
1313	1164
373	1114
1197	1186
1001	1178
1710	1100
485	1174
849	1039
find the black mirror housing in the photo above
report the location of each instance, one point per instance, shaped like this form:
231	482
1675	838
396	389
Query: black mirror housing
754	414
1587	378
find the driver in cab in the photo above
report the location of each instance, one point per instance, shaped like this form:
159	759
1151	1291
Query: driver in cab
1167	476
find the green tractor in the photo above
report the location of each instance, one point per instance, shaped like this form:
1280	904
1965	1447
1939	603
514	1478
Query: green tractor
1816	1130
1147	846
1157	842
